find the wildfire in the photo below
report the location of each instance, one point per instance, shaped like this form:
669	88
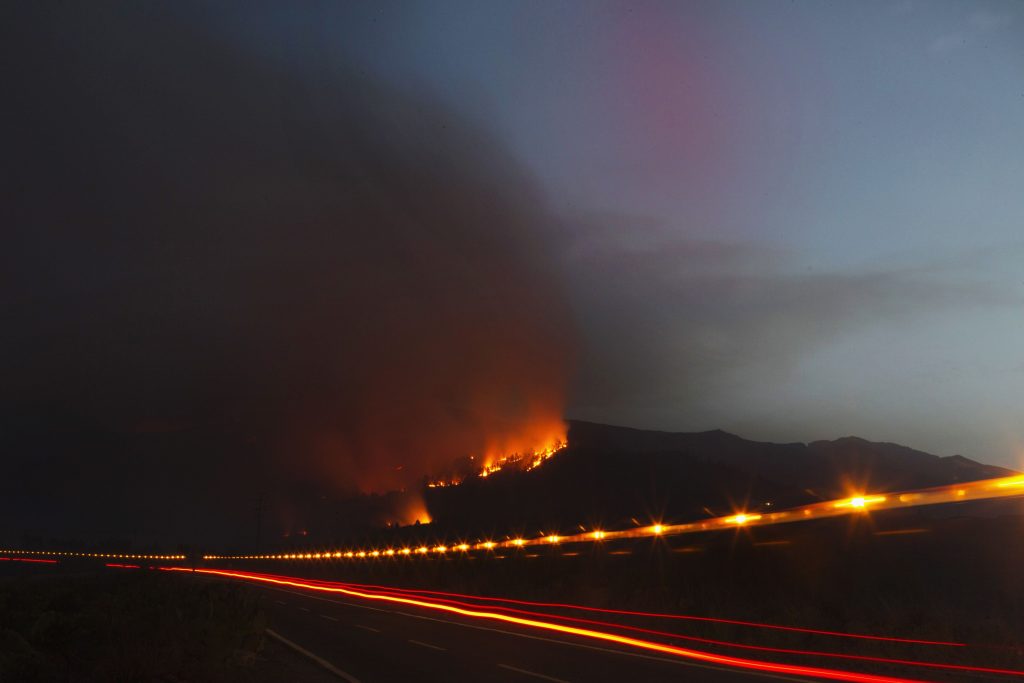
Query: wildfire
526	461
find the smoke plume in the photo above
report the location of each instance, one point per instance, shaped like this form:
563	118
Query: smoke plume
347	284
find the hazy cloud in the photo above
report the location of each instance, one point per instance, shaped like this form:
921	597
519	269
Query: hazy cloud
975	27
673	324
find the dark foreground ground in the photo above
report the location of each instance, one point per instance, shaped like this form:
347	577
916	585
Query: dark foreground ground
117	625
950	578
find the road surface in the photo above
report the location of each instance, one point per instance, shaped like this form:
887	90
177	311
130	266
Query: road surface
377	642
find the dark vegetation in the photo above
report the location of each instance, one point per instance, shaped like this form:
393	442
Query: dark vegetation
126	626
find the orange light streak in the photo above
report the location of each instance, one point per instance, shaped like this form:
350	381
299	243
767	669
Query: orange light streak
742	518
686	653
1003	487
761	648
405	592
631	613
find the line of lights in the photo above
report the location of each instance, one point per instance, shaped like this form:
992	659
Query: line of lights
590	633
98	556
1002	487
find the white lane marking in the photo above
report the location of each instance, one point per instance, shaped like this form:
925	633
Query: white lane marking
679	662
336	602
319	660
624	653
422	644
532	673
327	616
367	628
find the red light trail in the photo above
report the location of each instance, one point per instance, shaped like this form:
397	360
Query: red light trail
29	559
652	615
710	641
416	592
478	612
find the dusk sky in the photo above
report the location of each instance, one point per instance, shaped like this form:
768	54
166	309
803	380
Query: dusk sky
793	220
340	245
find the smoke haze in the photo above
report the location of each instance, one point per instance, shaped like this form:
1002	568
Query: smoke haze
345	283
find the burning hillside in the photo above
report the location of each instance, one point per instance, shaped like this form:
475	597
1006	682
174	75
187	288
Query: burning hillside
522	460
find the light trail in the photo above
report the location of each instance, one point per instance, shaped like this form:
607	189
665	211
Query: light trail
29	559
1003	487
98	556
631	613
947	666
685	653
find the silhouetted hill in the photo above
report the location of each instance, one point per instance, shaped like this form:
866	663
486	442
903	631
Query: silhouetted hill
613	475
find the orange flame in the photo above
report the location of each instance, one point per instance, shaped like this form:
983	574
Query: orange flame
526	459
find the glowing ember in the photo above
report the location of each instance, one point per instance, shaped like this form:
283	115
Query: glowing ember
525	461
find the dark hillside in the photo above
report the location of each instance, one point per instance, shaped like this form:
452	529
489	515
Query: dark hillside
617	476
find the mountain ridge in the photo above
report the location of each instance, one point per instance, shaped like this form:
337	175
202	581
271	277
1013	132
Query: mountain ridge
611	474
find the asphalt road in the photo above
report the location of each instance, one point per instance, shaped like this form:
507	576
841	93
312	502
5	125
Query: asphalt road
376	642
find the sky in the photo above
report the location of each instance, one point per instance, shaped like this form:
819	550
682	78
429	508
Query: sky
329	247
791	220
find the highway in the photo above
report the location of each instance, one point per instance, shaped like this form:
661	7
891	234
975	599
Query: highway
373	643
363	634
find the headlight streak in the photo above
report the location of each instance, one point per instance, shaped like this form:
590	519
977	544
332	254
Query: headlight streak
679	636
859	504
686	653
629	613
424	595
416	593
742	519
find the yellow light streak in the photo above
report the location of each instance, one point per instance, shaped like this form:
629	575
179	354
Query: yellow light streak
1003	487
742	518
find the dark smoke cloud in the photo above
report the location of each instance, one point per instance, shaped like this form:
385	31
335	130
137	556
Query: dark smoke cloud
282	271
